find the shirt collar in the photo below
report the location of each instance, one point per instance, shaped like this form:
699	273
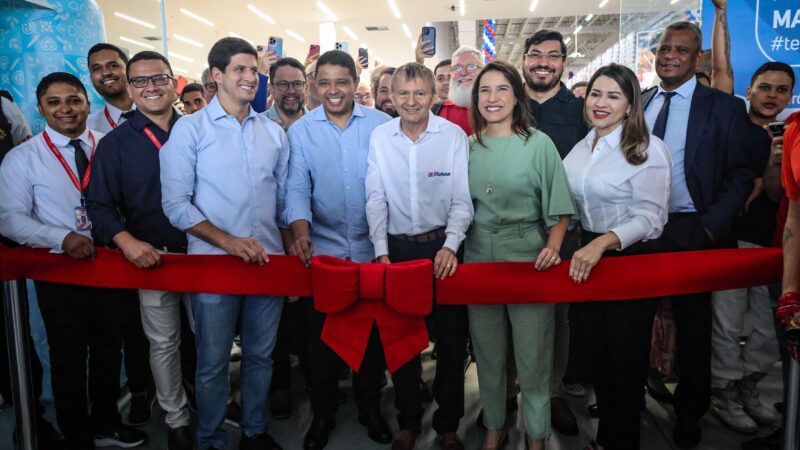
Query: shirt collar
138	121
432	127
564	94
215	110
686	90
319	115
115	112
61	141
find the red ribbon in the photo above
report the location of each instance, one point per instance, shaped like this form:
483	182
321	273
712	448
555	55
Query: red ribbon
351	293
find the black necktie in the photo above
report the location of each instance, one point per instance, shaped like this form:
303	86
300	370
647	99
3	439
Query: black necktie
127	114
660	126
81	161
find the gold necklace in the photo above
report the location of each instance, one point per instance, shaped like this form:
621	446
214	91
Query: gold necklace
490	182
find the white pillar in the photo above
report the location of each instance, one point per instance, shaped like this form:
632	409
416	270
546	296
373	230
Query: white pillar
327	36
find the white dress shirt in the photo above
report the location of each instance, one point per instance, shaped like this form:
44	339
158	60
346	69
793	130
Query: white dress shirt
615	195
37	197
99	122
414	187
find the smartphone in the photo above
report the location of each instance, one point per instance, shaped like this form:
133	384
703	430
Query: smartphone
363	57
313	50
275	45
342	45
429	34
777	128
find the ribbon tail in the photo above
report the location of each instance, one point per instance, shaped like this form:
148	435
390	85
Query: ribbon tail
347	335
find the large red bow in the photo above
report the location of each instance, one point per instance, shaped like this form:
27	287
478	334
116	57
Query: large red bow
395	297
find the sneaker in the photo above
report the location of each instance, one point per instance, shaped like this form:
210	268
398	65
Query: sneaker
725	404
575	390
120	436
748	395
236	352
141	407
233	415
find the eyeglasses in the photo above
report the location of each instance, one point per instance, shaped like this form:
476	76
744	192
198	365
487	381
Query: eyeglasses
312	75
467	68
211	86
552	56
360	97
158	80
297	85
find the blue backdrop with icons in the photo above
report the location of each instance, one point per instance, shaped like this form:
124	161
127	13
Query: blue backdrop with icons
761	31
46	36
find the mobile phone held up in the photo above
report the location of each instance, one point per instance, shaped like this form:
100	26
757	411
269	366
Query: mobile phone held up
429	34
343	46
313	50
363	57
777	128
275	45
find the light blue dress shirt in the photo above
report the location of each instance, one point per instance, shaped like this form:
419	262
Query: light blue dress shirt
326	181
233	175
675	137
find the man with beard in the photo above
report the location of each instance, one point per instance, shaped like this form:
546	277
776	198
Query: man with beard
467	61
288	79
382	92
559	114
107	64
107	67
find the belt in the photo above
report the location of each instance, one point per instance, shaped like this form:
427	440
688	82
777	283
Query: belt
422	238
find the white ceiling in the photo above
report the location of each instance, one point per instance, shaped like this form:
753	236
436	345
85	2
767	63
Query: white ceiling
303	17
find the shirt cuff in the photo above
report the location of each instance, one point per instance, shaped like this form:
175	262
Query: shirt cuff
381	248
295	214
452	242
628	234
56	237
191	216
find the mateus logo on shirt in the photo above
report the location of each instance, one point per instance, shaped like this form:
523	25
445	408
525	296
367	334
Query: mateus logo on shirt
438	174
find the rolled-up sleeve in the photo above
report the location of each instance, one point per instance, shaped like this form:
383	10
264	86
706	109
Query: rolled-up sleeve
648	208
178	158
376	206
298	182
461	210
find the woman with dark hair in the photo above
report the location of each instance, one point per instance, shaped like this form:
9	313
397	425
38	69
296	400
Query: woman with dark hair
522	209
620	178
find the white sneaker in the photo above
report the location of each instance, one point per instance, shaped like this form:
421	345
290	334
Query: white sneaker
726	406
574	389
748	395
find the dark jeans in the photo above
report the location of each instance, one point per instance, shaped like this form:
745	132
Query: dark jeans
84	323
323	369
619	352
450	327
135	345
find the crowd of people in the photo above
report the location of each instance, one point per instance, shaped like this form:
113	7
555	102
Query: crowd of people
469	162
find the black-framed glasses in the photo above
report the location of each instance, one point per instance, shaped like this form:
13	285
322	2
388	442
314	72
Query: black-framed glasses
211	86
158	80
297	85
552	56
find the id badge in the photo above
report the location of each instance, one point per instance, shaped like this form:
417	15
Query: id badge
82	222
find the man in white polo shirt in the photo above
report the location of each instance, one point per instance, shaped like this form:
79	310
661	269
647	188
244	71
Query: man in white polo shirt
419	206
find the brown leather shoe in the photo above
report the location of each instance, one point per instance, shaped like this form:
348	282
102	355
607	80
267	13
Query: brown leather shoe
405	440
561	417
449	441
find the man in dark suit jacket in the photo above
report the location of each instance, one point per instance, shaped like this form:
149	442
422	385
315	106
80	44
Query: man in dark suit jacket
711	179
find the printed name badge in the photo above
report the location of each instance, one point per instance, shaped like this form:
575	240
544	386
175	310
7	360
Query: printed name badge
82	222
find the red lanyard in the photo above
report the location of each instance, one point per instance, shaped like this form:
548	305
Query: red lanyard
74	178
152	137
108	117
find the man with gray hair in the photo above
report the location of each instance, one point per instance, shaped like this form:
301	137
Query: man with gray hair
467	61
417	161
209	85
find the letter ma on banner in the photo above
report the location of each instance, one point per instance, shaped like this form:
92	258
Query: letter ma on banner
777	30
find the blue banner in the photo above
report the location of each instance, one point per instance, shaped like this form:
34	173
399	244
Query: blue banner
761	31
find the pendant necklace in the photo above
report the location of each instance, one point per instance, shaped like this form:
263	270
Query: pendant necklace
490	183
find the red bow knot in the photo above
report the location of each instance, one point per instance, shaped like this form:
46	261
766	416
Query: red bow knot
394	297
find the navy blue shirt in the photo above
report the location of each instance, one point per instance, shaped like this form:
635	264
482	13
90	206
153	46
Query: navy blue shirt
124	192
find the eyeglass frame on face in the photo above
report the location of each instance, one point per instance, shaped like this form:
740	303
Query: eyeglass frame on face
359	97
551	56
211	86
284	85
468	68
136	81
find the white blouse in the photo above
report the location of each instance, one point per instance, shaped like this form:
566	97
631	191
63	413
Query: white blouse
614	195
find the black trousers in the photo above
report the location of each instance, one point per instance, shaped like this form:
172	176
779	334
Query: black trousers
619	351
5	368
135	344
323	369
84	323
288	340
450	327
188	350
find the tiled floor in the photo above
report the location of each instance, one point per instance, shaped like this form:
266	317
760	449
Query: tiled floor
656	423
